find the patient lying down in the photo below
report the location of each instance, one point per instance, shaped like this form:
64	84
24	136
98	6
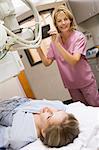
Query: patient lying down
28	120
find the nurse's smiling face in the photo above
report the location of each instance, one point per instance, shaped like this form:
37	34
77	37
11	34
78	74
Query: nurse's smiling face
63	22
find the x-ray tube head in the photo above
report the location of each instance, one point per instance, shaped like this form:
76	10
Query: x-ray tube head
23	43
3	36
3	39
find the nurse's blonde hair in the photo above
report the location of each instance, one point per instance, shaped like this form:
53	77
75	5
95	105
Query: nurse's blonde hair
68	14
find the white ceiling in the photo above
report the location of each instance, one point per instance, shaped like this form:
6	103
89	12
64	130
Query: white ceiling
22	11
21	6
18	3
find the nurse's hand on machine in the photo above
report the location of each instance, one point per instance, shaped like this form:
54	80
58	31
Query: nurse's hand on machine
54	35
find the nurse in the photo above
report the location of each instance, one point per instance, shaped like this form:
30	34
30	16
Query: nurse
68	49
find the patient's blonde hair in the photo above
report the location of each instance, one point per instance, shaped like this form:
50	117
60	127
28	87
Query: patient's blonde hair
68	14
61	134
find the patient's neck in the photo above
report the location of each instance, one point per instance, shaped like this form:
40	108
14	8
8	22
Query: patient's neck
37	123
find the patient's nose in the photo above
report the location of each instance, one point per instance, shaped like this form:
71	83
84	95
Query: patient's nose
45	109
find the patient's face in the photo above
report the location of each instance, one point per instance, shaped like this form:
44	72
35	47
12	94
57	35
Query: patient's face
58	117
52	116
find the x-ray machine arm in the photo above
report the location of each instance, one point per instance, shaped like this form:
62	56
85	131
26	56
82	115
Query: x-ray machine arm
9	28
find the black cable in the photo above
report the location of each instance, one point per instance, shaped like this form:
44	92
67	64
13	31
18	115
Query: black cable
4	54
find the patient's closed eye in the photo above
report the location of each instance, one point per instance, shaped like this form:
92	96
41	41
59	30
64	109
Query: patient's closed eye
49	116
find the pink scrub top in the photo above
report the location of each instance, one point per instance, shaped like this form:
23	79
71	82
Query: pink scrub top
76	76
